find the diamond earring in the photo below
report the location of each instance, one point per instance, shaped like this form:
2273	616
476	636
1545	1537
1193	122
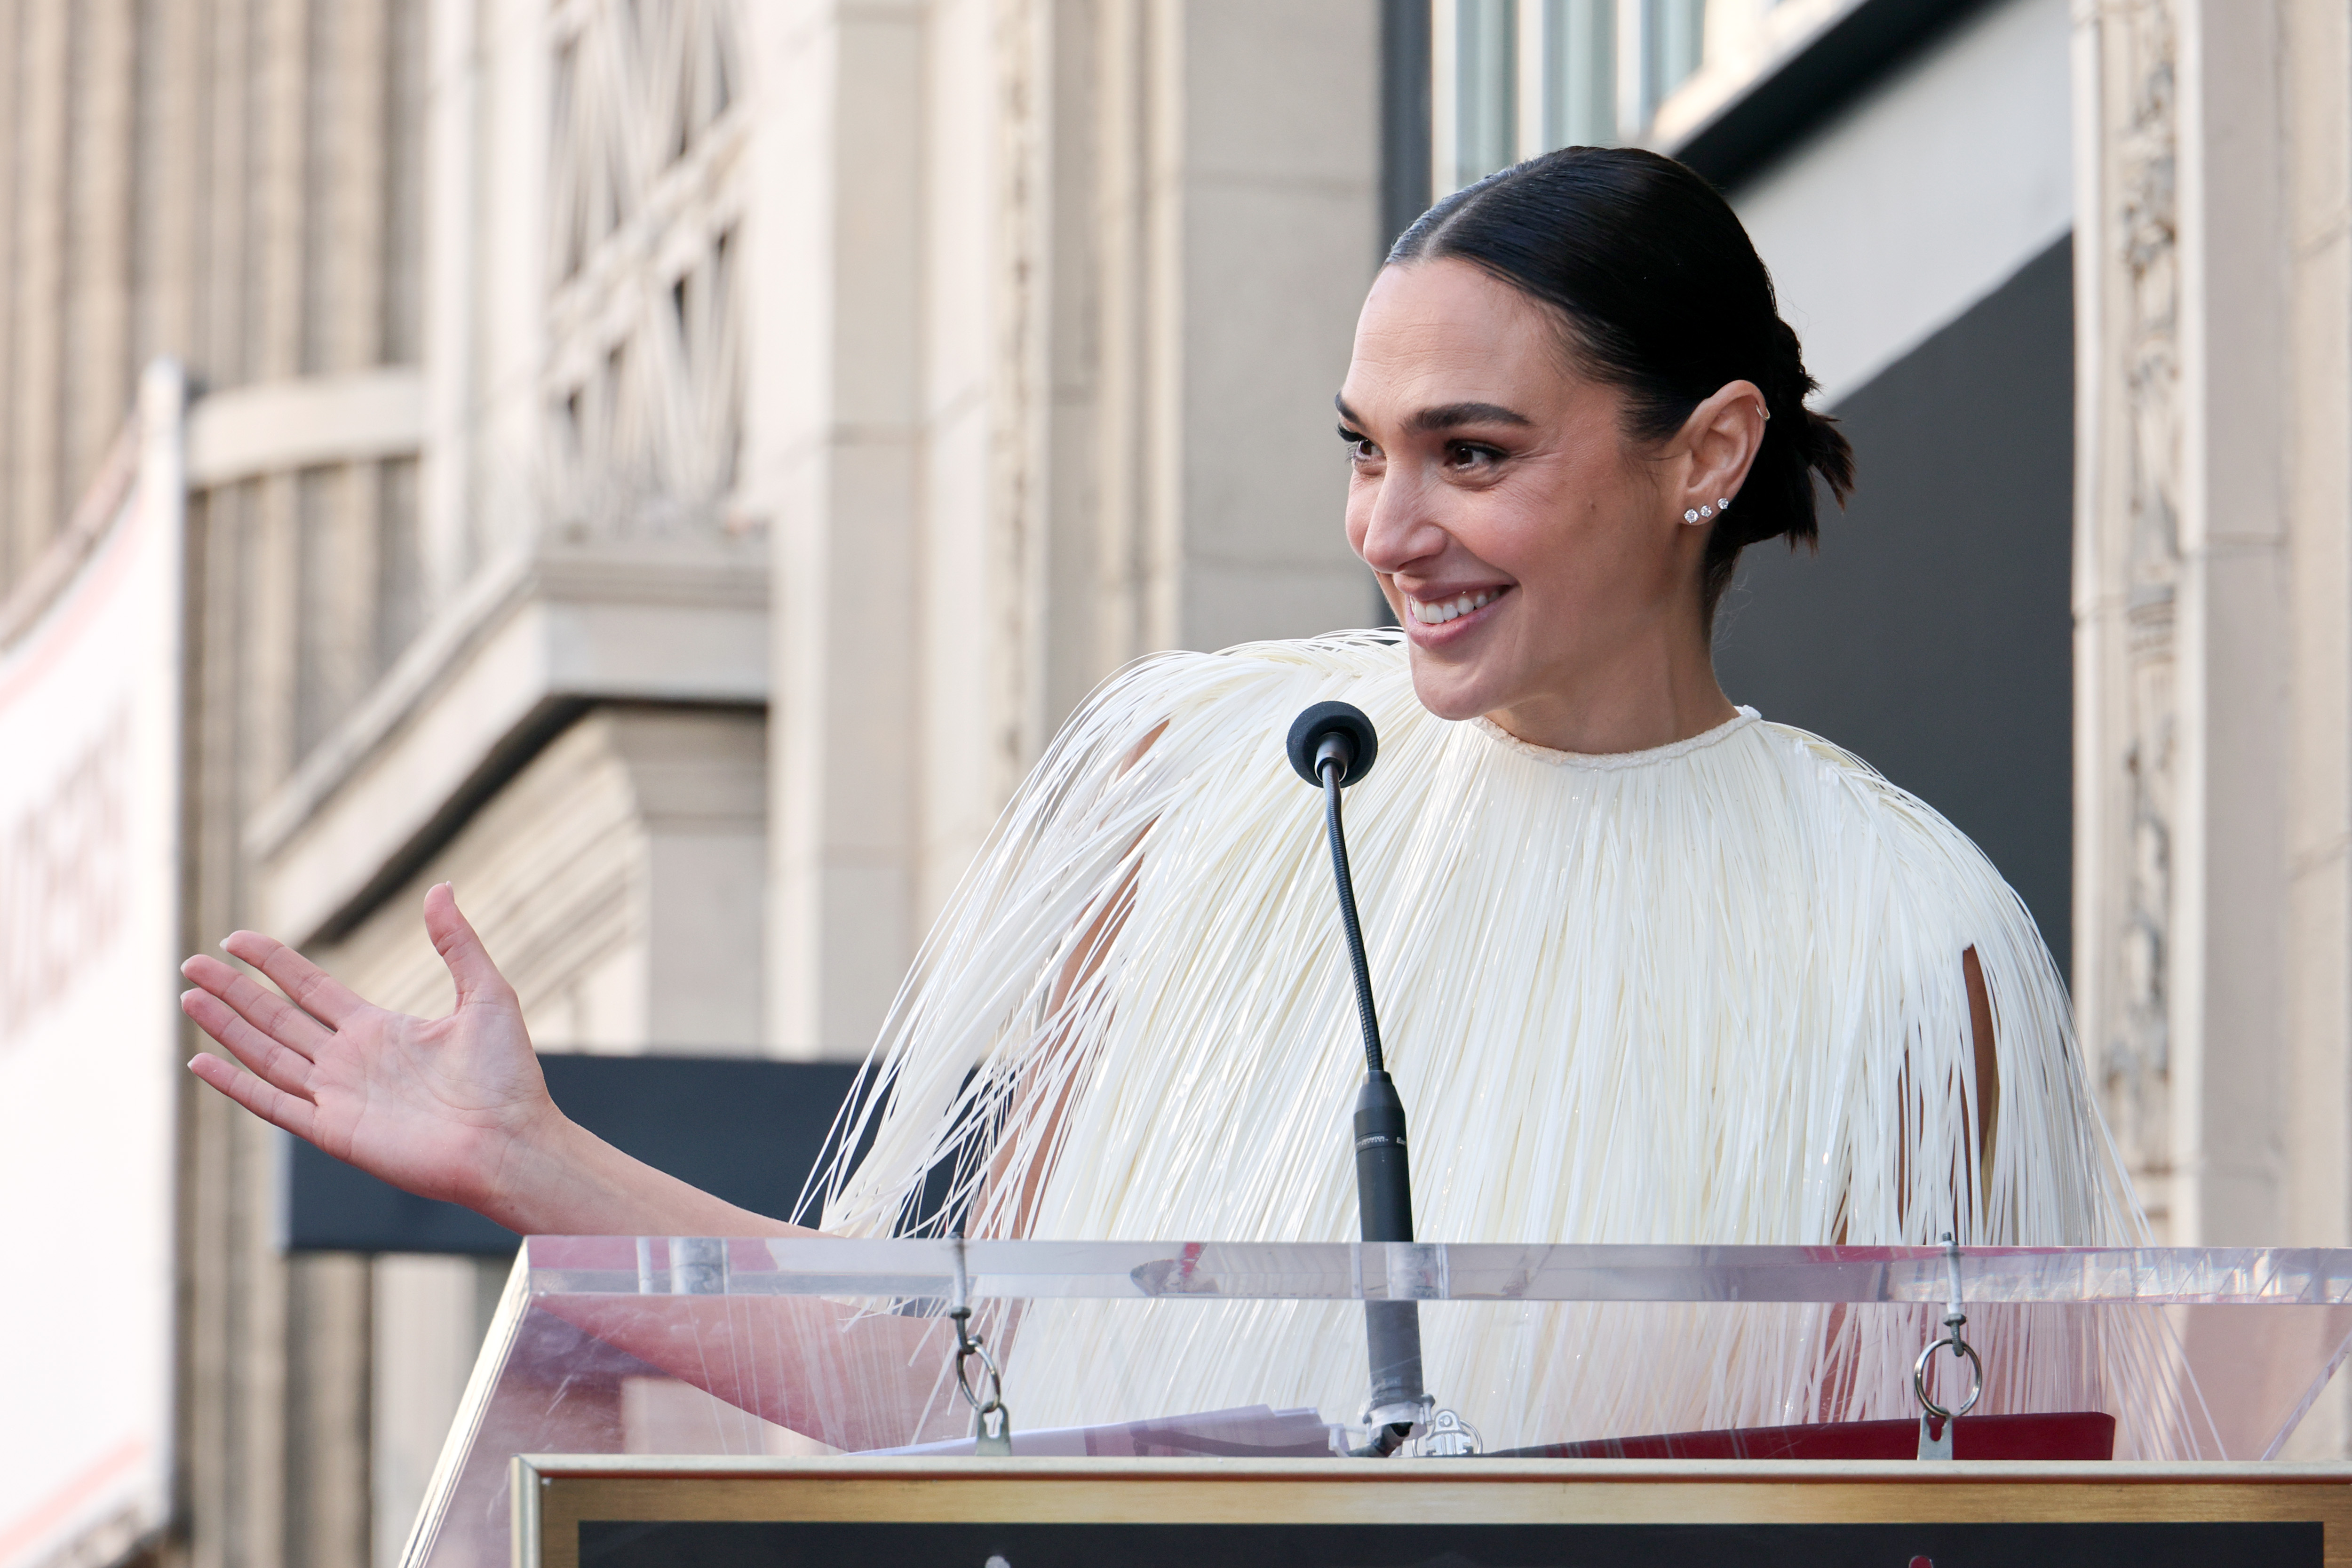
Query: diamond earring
1690	516
1706	511
1723	505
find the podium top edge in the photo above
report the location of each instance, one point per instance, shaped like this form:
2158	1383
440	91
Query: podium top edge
2120	1472
915	1268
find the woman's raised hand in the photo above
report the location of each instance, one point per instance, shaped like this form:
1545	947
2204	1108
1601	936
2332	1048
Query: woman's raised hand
445	1108
451	1107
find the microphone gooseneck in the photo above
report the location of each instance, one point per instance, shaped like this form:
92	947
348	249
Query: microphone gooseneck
1368	1017
1333	744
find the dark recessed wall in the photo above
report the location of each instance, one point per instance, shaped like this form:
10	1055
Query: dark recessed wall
1932	635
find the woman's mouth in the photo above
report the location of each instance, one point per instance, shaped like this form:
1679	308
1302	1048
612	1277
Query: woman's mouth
1454	607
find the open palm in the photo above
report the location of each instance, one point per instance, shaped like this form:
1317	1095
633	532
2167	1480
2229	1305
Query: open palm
433	1106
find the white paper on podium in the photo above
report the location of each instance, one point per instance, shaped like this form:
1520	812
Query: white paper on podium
1247	1432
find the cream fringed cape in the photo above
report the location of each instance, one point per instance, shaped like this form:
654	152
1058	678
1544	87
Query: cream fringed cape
1712	993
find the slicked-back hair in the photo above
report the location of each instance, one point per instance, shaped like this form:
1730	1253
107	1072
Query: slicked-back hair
1661	294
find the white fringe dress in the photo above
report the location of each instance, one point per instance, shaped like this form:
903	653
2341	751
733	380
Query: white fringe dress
1710	992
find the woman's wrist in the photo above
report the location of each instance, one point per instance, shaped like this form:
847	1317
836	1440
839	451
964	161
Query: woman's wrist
537	1172
560	1179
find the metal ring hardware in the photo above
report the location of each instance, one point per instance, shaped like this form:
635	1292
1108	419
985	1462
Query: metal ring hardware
992	1422
969	1347
1954	1320
1919	1377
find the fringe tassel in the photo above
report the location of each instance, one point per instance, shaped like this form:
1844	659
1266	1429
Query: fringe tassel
1712	993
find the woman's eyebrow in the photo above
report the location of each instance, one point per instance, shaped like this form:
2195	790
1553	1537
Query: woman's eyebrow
1447	416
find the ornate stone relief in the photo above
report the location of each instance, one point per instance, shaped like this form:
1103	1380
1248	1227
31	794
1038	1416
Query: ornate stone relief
1020	436
2137	558
642	378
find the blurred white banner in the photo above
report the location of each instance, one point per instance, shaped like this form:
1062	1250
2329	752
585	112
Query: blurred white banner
89	880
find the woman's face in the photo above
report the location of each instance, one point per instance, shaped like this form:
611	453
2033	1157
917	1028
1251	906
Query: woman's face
1536	559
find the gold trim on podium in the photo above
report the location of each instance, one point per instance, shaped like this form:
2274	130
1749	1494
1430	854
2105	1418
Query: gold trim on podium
554	1493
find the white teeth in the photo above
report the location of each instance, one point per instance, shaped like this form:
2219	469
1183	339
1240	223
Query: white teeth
1437	613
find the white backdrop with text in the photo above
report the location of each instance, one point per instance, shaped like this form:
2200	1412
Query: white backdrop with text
90	878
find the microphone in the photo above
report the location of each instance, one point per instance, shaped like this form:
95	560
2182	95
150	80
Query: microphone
1333	745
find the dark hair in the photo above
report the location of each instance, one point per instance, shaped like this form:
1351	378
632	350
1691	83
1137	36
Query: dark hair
1662	297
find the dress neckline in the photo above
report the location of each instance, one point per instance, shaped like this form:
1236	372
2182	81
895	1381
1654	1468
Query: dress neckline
1610	760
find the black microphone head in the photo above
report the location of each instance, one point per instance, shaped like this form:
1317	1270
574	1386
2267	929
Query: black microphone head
1347	721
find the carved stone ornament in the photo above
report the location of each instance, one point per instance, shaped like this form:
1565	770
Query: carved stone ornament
642	378
2142	361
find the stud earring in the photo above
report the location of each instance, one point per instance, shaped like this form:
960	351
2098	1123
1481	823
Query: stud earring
1706	511
1723	505
1691	516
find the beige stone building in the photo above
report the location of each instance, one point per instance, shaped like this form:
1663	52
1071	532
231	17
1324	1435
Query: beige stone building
540	349
668	467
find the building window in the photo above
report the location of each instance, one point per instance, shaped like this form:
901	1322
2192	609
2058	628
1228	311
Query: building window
1580	73
1511	79
642	381
1674	36
1485	74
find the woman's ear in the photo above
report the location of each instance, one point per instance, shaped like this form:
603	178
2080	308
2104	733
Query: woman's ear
1719	441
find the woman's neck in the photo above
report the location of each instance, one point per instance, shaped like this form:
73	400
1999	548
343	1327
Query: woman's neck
1639	703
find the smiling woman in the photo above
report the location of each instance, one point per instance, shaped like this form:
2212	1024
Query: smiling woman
1652	969
1587	340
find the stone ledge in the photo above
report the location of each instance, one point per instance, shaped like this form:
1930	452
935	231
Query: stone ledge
277	427
530	643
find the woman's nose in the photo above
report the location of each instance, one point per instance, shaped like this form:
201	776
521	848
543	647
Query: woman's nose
1400	530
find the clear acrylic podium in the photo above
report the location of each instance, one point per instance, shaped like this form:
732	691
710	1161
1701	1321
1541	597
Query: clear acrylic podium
833	1357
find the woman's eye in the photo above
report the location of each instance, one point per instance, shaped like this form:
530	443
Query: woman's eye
1359	446
1470	454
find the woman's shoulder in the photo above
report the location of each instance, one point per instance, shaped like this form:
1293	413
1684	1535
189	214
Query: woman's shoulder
1850	790
1164	727
1200	698
1844	776
1371	654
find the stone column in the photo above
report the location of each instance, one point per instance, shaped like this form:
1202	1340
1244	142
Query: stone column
2314	87
1188	217
2213	590
39	494
831	414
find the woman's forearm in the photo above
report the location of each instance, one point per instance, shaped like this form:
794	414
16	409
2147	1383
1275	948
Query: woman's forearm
560	1179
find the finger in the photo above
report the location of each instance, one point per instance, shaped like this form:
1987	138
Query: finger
312	989
274	1106
460	947
262	1007
280	1066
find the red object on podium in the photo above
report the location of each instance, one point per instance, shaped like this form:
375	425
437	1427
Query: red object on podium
2072	1435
